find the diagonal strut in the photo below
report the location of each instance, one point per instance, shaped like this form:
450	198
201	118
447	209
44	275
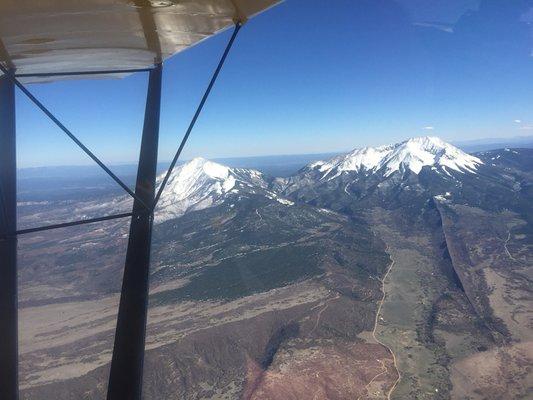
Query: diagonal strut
238	26
49	114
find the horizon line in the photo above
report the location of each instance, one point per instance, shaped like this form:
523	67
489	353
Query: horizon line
471	142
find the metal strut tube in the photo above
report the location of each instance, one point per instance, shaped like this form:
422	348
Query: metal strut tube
197	113
8	245
125	379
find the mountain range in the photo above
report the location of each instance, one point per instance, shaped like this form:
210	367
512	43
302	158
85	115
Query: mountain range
387	272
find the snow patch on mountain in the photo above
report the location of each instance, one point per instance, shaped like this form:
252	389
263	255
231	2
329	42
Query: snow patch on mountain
196	185
284	201
412	154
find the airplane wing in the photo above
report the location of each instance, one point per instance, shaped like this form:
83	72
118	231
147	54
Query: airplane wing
52	36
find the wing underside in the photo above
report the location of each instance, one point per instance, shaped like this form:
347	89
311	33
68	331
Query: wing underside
52	36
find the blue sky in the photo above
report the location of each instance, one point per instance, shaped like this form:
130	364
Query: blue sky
312	76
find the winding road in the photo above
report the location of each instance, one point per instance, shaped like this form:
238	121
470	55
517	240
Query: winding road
376	321
506	249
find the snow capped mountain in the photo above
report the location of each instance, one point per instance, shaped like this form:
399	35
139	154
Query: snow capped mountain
412	154
195	185
200	184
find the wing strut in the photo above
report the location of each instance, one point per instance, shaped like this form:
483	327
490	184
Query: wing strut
56	121
238	26
125	379
8	244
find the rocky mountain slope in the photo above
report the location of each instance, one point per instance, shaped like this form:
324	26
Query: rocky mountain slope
200	184
456	293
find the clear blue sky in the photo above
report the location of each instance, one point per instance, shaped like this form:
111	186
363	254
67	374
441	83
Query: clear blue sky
313	76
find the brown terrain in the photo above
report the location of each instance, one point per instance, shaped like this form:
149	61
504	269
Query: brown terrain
312	338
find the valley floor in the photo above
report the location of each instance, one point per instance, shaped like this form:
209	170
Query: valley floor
442	352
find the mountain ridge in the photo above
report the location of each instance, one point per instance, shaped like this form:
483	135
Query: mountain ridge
201	184
412	154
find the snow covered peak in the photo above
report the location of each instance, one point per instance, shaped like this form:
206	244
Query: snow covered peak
412	154
200	184
195	185
203	166
418	152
